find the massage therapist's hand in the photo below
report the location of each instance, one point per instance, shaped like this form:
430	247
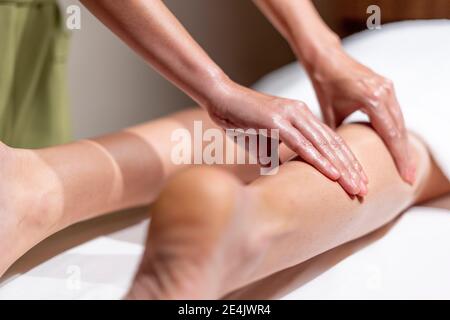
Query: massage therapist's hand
344	86
299	129
154	32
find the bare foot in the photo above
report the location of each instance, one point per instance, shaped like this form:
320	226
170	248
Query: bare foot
29	203
200	246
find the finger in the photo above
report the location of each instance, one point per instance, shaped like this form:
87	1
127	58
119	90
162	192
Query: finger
408	169
343	152
395	141
306	150
332	122
329	116
313	130
396	112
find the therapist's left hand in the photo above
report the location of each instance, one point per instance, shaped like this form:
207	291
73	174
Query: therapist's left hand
343	86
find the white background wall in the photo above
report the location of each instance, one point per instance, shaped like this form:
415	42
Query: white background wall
112	88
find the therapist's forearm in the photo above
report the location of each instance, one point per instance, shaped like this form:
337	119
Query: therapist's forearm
153	31
301	25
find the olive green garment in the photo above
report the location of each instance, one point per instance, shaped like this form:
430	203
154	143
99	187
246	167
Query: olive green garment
33	86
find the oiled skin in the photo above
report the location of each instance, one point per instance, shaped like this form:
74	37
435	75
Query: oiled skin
218	237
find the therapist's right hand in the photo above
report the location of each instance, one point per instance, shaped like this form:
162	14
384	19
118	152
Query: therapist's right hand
299	129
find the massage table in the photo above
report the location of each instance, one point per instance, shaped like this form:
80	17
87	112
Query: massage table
407	259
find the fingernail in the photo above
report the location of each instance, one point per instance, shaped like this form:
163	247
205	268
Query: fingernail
364	177
412	174
408	175
363	189
355	187
335	173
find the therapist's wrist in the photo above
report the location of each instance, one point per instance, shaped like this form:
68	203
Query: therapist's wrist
218	90
328	63
315	52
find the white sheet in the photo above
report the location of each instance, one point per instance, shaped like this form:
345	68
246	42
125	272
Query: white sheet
407	262
407	259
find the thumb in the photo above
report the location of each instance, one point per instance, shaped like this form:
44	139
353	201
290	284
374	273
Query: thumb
329	117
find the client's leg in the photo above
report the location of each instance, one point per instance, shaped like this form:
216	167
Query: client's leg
220	235
43	191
